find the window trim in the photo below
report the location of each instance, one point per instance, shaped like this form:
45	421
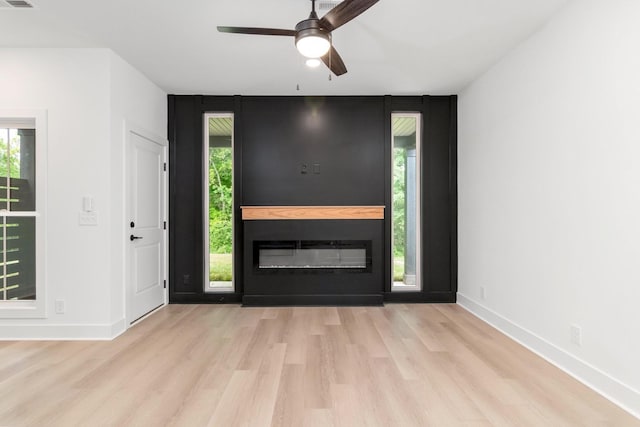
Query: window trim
32	309
418	286
205	190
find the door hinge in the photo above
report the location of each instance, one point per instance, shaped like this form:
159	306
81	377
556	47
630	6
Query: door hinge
165	225
165	284
164	166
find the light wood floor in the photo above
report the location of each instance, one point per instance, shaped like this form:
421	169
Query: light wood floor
399	365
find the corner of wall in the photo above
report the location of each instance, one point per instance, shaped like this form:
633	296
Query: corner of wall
134	99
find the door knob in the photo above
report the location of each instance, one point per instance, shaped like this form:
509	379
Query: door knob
132	237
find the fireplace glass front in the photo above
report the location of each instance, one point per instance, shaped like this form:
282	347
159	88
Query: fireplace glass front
313	255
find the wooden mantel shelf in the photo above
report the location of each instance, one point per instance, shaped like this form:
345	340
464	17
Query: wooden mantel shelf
311	212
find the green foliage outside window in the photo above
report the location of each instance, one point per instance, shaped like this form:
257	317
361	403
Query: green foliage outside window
220	201
398	201
9	159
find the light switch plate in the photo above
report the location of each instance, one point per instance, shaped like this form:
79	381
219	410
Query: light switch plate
88	204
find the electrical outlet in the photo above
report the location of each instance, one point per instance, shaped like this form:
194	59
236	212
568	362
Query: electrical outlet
483	292
576	335
60	306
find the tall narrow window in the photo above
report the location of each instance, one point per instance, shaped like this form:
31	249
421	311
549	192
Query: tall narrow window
218	155
21	222
406	137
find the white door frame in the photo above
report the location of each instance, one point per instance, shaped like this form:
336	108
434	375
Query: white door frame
129	129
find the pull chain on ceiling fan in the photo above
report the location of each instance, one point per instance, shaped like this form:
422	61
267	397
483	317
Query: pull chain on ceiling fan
313	35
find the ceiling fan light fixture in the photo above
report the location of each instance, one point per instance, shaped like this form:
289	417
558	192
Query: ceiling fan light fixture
313	45
313	62
312	40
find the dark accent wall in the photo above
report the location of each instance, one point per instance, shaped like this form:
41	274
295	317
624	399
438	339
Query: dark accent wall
439	197
312	151
340	142
186	222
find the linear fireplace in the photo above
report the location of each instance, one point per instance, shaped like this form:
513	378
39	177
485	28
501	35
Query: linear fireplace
329	256
292	259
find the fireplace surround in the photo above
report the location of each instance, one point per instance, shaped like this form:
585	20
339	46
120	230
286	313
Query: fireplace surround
313	255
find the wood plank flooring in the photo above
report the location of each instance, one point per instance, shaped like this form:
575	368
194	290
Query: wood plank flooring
223	365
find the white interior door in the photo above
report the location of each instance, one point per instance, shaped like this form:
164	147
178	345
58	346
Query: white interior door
146	236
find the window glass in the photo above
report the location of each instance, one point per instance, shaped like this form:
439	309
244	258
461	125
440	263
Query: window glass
17	195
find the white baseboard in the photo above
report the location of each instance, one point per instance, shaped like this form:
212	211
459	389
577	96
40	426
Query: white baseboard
62	332
609	387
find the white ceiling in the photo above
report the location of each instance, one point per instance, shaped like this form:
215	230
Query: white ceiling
398	47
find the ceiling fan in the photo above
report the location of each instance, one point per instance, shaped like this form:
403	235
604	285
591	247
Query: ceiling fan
313	35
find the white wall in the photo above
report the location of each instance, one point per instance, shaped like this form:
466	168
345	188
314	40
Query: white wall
83	93
549	194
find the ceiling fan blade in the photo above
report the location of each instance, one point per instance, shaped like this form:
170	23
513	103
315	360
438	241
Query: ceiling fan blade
345	12
333	60
260	31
